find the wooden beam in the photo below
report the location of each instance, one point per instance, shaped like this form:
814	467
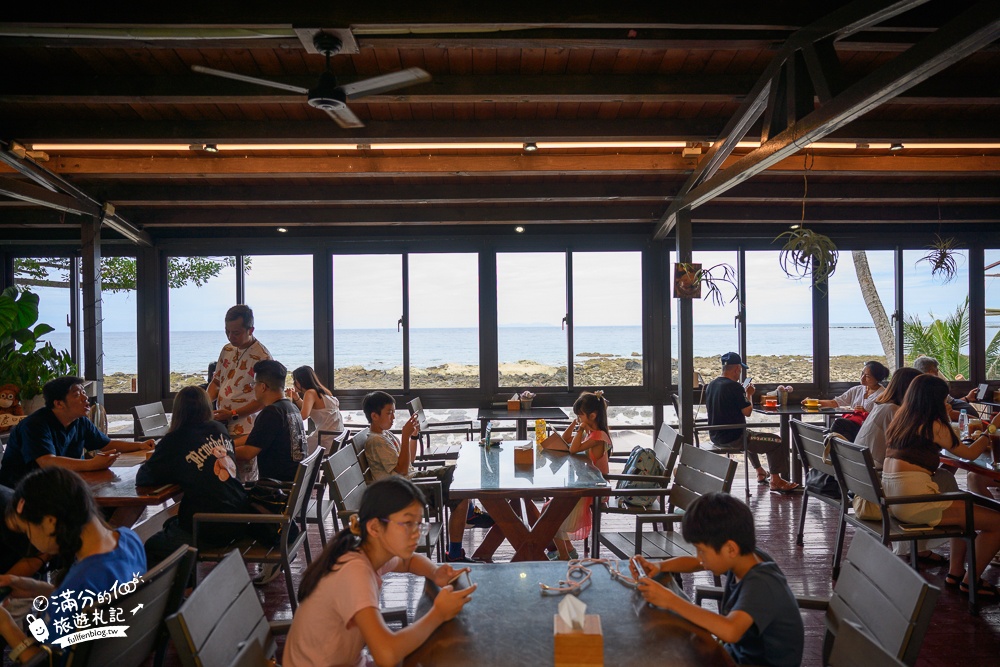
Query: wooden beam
32	194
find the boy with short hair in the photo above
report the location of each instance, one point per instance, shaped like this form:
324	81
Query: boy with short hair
758	617
388	455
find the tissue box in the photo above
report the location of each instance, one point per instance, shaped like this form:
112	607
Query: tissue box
579	647
514	405
524	456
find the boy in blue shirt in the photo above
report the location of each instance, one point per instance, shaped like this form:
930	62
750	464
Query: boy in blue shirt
758	618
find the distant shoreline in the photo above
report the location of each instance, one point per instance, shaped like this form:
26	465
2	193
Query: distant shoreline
597	371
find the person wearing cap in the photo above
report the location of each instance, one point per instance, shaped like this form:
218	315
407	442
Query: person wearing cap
59	434
729	403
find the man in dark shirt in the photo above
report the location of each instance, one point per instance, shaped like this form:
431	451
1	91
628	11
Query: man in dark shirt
729	403
278	438
58	435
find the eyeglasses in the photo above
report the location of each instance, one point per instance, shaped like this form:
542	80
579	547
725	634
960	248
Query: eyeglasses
418	527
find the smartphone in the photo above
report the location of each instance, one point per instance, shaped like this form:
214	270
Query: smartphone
747	382
4	592
638	568
461	581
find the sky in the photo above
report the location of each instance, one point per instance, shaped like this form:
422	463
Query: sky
531	292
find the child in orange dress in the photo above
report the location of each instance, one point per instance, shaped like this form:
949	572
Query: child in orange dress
591	437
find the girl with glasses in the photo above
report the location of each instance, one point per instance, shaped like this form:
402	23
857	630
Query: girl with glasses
339	595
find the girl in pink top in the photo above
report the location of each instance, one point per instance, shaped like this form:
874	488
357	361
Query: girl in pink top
338	611
590	435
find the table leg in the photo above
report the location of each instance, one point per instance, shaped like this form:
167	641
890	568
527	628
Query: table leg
521	428
785	430
529	541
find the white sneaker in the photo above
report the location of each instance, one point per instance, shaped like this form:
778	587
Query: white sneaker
267	574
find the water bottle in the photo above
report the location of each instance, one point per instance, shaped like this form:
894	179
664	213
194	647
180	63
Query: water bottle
963	424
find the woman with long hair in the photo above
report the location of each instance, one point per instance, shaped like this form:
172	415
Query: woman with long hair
316	402
861	396
55	509
872	433
916	436
338	611
197	455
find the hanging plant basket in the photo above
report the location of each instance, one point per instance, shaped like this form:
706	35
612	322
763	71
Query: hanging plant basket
942	258
807	253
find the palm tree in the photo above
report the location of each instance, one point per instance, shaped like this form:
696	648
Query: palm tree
944	340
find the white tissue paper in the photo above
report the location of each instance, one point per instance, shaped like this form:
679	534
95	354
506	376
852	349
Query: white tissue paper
573	612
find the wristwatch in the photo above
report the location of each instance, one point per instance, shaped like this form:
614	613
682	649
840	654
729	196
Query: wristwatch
234	414
16	652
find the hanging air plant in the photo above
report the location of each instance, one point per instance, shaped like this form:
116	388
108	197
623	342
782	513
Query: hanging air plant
942	258
689	279
807	253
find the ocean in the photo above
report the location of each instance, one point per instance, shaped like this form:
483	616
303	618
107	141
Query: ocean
191	351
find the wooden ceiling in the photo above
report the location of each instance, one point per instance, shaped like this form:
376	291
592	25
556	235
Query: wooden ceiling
592	73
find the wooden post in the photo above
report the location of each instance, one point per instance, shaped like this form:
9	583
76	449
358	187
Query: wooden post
153	356
93	340
323	315
685	335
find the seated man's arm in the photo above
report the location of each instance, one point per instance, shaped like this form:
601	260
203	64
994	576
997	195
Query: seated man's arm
124	446
245	452
102	461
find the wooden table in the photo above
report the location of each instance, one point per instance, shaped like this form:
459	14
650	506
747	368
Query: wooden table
115	488
509	622
491	476
785	414
983	465
520	418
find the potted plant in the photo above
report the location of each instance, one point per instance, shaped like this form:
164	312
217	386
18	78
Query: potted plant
808	253
942	258
25	360
690	278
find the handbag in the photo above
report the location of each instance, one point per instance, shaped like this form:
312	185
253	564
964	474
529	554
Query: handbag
866	510
270	496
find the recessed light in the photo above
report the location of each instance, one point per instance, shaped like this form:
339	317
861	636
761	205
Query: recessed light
896	147
796	226
211	148
519	229
530	147
282	230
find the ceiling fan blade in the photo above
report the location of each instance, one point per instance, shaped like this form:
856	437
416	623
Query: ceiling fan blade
344	117
385	82
249	79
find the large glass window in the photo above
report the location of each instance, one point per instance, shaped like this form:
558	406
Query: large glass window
119	324
279	289
367	321
202	289
862	301
715	327
936	313
531	312
779	322
992	338
607	319
444	320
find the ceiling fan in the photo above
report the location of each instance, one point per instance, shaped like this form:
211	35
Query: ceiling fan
327	94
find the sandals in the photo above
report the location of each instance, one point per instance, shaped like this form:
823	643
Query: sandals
785	487
953	580
762	477
933	558
983	589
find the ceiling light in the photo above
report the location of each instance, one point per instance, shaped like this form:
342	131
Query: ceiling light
530	147
282	230
519	229
796	226
211	148
896	147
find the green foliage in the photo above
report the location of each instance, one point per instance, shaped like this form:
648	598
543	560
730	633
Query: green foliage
807	253
118	274
944	340
22	361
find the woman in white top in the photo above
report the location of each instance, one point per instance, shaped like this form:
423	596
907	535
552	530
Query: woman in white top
316	402
872	433
862	396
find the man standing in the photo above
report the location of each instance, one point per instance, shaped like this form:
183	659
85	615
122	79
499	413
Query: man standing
232	385
58	435
729	403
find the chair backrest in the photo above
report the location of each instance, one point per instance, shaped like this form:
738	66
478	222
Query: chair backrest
331	441
882	594
306	473
251	655
810	442
151	419
358	441
160	594
854	647
347	479
855	470
667	448
700	472
222	613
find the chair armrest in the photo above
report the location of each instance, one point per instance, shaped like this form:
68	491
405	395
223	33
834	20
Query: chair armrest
656	518
812	602
205	517
280	627
421	462
437	493
396	614
706	592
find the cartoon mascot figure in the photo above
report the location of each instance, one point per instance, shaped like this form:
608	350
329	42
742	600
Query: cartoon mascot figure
10	402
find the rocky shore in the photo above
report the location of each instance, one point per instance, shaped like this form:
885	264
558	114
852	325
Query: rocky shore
594	370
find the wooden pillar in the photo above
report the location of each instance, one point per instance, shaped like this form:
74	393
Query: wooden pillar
488	356
323	316
656	281
898	315
821	337
153	312
93	340
685	334
75	294
241	278
977	314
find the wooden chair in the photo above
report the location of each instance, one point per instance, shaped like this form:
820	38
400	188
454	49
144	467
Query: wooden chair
348	484
698	472
322	505
160	594
288	545
811	443
854	647
877	592
429	428
222	614
856	474
666	447
736	447
150	420
251	655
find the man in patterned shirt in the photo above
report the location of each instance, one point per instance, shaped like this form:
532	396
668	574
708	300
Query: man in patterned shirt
232	385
